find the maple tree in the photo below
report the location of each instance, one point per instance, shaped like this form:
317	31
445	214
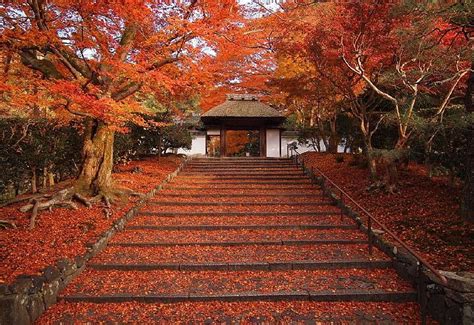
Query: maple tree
408	49
93	61
379	62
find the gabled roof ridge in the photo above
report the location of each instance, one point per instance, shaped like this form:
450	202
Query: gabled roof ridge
242	108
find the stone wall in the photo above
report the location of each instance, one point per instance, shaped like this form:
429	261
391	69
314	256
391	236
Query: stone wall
23	301
450	303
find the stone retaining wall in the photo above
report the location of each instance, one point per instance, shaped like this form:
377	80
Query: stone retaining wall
23	301
451	303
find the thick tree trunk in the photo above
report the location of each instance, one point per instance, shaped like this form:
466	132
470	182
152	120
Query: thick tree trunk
467	207
368	149
334	137
51	178
45	177
369	152
34	187
96	174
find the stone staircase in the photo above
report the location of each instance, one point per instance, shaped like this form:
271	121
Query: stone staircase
255	239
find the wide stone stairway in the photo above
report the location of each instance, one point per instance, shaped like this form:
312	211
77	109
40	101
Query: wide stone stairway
238	241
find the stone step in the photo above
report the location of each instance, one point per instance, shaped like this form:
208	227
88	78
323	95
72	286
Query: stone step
269	181
247	187
237	180
237	220
248	167
241	176
249	199
243	165
241	161
296	242
249	170
243	227
236	214
325	296
174	286
241	169
274	236
247	254
259	312
241	208
254	266
205	174
233	196
234	203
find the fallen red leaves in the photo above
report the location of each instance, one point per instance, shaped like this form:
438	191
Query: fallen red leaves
237	220
214	312
241	235
280	208
95	282
63	233
236	254
423	214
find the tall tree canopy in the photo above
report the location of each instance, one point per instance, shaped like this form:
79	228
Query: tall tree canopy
96	60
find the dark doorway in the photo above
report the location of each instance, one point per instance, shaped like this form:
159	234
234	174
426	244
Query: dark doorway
242	143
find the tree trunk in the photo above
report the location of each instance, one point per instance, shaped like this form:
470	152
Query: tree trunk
51	178
401	142
333	138
369	151
467	206
45	177
34	187
159	146
324	136
96	174
371	160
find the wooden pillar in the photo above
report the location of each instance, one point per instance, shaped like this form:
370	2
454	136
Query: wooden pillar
279	149
223	144
263	141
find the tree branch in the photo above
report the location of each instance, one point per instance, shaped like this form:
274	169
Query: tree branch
46	67
126	91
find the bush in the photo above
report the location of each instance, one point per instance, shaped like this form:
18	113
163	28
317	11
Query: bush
34	152
339	158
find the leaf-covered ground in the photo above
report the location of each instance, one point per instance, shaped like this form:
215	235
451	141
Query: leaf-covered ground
234	254
195	232
64	233
240	235
424	213
112	282
214	312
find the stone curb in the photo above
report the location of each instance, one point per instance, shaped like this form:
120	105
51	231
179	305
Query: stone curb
249	226
255	266
267	180
292	203
237	214
246	188
243	243
448	304
223	195
303	295
24	300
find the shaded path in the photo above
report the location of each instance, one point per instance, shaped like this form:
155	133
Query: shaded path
251	237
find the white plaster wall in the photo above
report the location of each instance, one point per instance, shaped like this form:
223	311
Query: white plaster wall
198	146
213	132
273	142
301	147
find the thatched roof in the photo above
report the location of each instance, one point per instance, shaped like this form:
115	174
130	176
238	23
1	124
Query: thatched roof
238	105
